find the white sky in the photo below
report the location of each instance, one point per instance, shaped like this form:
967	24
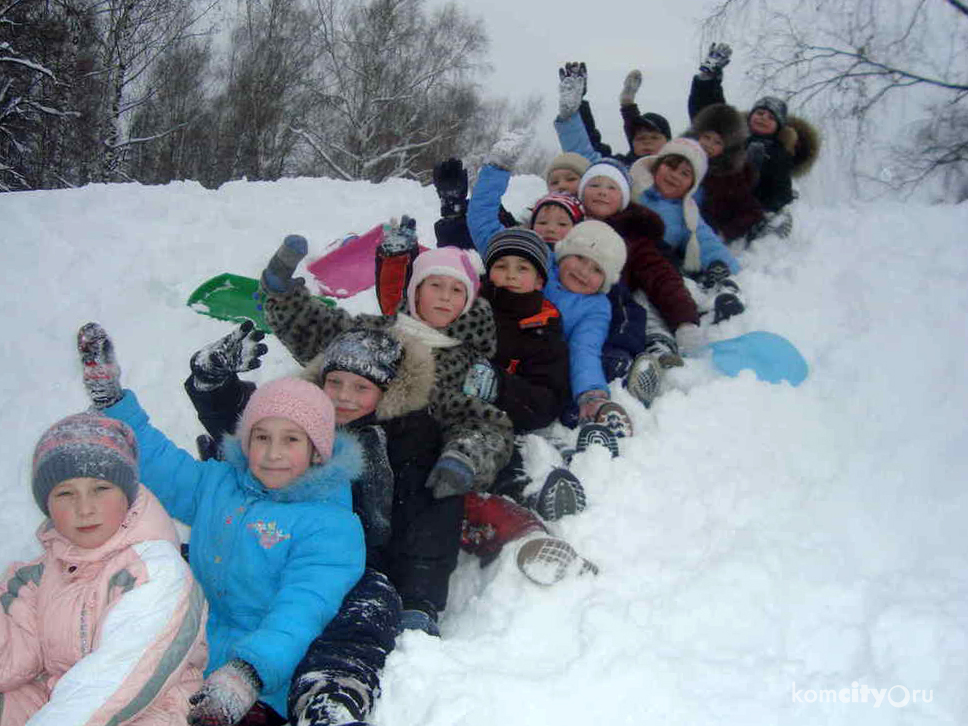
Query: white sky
531	39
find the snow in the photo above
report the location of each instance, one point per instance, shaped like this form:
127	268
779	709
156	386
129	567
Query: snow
768	554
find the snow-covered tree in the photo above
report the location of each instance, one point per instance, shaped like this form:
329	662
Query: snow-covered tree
888	77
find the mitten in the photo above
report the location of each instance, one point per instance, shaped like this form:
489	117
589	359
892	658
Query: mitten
226	695
780	223
631	86
237	352
689	338
756	153
571	81
398	237
589	402
716	60
715	272
579	70
452	475
277	277
482	381
450	181
506	150
101	372
728	302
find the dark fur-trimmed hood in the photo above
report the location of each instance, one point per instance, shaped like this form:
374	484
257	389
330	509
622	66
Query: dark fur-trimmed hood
803	141
409	390
730	124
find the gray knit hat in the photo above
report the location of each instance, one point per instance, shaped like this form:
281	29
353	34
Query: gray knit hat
85	445
373	354
776	106
521	242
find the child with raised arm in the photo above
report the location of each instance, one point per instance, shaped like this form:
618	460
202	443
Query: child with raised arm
108	625
274	541
442	309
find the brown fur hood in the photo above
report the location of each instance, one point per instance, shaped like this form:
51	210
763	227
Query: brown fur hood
803	141
409	391
730	124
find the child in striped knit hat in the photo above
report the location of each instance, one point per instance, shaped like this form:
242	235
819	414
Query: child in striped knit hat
274	541
110	596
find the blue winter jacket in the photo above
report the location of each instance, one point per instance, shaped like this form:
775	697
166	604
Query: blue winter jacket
711	247
584	318
573	136
274	564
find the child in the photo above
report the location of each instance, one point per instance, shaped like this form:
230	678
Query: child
564	172
443	311
640	345
779	147
666	183
108	624
725	196
274	541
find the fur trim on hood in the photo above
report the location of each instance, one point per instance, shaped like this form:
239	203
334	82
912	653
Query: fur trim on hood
730	124
803	140
410	388
317	483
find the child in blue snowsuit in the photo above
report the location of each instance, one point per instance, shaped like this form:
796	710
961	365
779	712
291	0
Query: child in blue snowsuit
274	541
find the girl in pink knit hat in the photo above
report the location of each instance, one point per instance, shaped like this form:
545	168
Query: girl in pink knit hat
274	542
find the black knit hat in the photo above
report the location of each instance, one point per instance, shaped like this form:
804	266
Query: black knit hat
373	354
521	242
85	445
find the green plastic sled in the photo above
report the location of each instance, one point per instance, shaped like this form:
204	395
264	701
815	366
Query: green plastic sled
234	298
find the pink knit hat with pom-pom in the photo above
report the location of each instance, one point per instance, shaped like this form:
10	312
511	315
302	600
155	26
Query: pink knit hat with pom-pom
463	265
297	400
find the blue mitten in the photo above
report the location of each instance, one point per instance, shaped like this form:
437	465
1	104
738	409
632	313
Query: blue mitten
277	277
451	476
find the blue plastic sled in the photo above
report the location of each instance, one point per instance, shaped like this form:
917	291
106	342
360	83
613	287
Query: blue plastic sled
770	356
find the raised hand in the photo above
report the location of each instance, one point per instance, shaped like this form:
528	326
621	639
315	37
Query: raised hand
277	277
630	87
101	372
238	351
571	86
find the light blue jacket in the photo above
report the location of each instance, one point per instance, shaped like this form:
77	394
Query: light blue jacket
711	247
584	318
274	564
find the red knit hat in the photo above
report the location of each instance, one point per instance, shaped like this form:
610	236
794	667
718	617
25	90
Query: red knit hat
566	201
297	400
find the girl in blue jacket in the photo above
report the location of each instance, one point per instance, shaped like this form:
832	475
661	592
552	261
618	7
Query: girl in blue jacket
274	541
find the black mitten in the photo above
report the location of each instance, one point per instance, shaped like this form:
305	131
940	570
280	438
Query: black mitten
238	351
450	181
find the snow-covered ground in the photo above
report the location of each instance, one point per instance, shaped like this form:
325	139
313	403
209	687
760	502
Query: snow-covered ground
768	554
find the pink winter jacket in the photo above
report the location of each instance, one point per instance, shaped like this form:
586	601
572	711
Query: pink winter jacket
113	635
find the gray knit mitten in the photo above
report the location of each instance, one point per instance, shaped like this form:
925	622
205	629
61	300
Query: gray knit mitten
277	277
101	372
506	150
717	59
571	86
631	86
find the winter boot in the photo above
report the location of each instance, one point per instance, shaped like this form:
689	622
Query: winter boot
419	620
597	434
490	522
644	378
727	302
562	494
342	701
547	560
613	417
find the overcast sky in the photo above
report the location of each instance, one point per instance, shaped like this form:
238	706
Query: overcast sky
531	39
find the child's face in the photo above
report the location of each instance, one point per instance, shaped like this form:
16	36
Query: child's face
647	142
673	182
563	180
602	197
440	300
762	122
552	223
516	274
353	396
279	451
87	511
580	274
712	143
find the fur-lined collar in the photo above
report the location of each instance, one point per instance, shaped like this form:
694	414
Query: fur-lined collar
319	483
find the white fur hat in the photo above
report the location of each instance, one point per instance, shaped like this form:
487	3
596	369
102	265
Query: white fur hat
642	179
597	241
